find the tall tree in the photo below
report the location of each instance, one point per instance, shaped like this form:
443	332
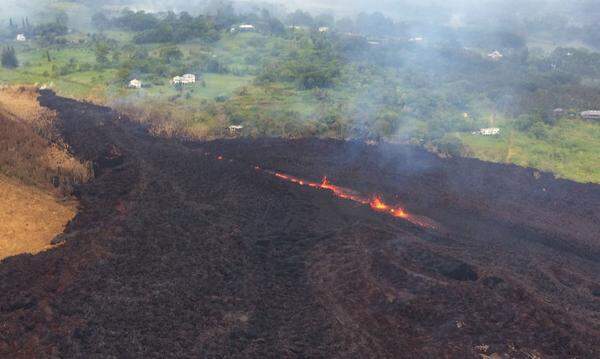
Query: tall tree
9	58
102	51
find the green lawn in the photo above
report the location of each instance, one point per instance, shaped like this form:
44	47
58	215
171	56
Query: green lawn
214	85
570	150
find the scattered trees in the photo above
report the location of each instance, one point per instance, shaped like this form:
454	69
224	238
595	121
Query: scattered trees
150	29
50	32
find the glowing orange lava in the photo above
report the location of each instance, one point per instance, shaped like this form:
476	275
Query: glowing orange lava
375	202
378	205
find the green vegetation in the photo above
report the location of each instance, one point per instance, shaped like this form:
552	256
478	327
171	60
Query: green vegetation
570	149
368	77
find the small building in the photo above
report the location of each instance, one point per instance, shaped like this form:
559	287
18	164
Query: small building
492	131
495	55
243	28
21	38
235	129
558	112
416	39
590	115
135	84
323	29
184	80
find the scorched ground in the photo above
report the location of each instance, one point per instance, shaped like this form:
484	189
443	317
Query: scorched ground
177	253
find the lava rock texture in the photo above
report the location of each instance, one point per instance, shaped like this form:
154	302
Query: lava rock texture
175	253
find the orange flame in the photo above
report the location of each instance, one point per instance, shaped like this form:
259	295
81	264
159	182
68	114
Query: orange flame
376	203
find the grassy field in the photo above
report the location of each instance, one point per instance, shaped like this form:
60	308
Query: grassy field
36	69
570	150
29	218
208	87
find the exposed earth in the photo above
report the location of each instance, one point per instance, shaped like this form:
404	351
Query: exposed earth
177	253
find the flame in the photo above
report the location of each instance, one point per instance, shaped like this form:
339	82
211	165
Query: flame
380	206
376	202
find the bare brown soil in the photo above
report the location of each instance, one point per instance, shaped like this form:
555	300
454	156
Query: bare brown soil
178	254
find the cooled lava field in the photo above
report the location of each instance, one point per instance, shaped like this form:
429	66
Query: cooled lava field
240	248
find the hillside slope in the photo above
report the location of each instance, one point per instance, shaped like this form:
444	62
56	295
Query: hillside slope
36	175
188	250
29	218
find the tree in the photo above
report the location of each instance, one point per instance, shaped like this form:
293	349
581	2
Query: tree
223	12
171	54
62	18
102	51
324	20
9	58
136	21
275	26
100	21
116	56
300	18
49	32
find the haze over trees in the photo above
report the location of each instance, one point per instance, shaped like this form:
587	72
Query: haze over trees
422	75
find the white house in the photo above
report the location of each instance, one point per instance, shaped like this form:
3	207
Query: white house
495	56
591	115
492	131
235	129
185	79
21	37
323	29
135	84
416	39
247	27
243	28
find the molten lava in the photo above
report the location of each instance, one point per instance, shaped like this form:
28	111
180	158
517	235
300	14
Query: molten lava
378	205
375	202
